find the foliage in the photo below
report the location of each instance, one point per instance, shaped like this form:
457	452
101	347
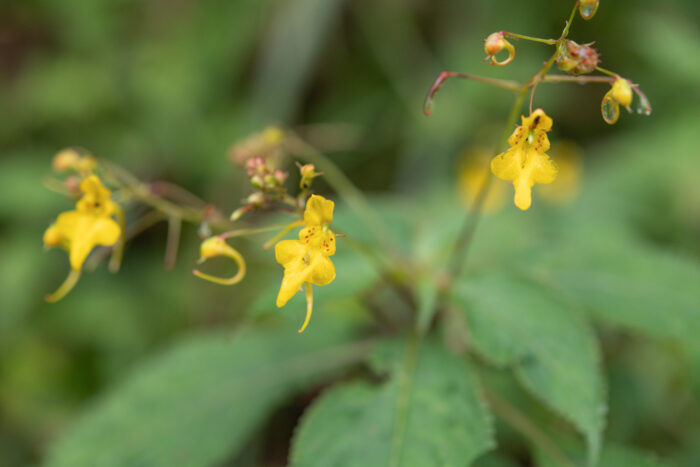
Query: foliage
571	337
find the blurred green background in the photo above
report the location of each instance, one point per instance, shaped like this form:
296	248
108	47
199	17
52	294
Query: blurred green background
165	87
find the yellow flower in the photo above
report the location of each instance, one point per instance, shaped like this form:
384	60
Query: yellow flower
217	246
622	92
306	261
71	159
619	94
84	228
525	163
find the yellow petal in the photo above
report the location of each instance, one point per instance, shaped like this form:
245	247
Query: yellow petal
319	211
318	237
93	186
538	120
295	274
328	243
52	236
544	170
506	165
288	251
523	193
90	232
322	270
96	198
622	92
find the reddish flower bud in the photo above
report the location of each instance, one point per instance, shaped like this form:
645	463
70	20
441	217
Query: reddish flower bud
494	44
577	59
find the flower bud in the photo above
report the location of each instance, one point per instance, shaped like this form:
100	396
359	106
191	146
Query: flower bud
238	213
270	182
577	59
587	8
255	199
65	160
308	172
280	176
72	184
255	165
257	181
622	92
494	44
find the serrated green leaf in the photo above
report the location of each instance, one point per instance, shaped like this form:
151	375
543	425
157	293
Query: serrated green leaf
553	352
613	455
631	285
198	403
427	413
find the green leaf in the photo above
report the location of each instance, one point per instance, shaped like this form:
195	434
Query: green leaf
631	285
199	402
552	351
613	455
427	413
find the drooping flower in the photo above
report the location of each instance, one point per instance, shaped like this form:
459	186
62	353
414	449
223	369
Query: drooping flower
307	261
217	246
79	231
495	43
619	94
525	163
74	159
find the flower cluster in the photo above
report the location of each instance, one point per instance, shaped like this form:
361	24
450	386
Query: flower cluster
525	163
305	261
99	221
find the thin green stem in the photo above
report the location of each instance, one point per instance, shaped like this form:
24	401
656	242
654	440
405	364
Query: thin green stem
565	33
608	72
471	221
577	79
251	231
172	243
141	191
282	233
530	38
